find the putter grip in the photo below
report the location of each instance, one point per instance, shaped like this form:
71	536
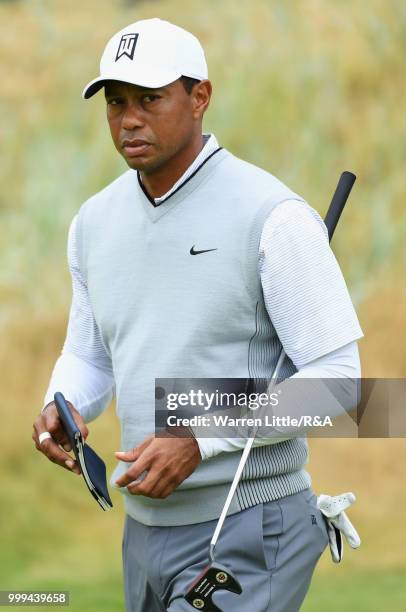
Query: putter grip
340	197
65	414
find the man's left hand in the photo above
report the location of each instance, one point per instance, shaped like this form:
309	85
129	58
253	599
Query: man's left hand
167	461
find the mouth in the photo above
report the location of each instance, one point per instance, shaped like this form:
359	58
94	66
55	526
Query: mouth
134	148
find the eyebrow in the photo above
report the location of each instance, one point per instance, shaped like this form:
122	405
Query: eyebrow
112	91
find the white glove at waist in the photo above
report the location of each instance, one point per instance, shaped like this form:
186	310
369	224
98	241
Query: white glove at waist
338	523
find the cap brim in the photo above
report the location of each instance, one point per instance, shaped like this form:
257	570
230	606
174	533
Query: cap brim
93	87
143	80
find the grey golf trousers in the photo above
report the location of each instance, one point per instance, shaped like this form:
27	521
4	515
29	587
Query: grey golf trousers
271	548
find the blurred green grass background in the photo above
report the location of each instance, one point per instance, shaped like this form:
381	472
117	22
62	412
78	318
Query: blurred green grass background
304	89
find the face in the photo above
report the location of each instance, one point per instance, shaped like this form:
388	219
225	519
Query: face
151	127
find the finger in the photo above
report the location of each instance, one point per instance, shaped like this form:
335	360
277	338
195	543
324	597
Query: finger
147	485
62	439
55	454
332	506
142	464
80	422
343	501
343	523
134	453
168	490
130	476
151	486
335	542
36	440
164	487
159	482
69	464
131	455
54	425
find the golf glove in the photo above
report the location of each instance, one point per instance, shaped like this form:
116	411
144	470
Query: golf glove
338	524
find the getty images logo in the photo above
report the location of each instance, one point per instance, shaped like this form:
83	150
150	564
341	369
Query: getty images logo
127	46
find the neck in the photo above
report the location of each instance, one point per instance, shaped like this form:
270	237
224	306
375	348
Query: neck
159	181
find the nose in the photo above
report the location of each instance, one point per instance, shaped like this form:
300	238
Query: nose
132	117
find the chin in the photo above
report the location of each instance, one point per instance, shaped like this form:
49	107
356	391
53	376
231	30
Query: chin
144	165
137	164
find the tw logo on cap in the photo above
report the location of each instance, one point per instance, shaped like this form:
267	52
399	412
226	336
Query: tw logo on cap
127	46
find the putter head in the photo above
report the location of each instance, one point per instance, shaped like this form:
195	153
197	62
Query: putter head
212	579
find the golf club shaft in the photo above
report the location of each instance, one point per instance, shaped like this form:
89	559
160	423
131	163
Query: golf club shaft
334	211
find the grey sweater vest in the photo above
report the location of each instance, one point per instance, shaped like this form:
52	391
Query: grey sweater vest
163	313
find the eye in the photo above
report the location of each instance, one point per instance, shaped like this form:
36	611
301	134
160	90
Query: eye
114	101
150	98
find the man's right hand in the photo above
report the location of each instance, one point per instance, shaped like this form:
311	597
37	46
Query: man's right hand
49	421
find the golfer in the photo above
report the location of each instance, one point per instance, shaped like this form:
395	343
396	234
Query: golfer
195	263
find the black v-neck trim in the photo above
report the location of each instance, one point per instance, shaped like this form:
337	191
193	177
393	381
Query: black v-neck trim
150	199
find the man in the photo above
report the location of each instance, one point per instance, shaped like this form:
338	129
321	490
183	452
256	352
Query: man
194	263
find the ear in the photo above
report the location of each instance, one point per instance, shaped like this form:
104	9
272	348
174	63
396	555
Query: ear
200	98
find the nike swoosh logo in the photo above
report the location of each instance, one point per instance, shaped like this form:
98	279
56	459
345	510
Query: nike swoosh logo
193	252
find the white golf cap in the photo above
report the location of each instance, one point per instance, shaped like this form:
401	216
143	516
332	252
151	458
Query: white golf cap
150	53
